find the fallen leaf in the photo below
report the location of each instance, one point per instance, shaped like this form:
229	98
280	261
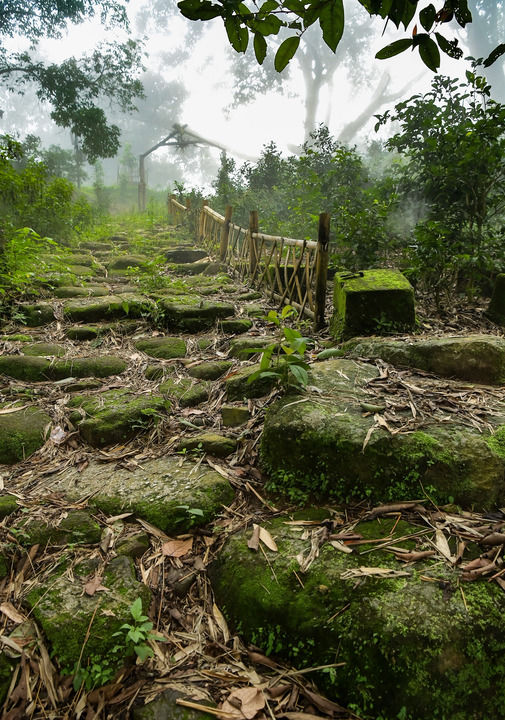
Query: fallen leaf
7	411
219	618
58	435
8	609
177	548
442	545
340	546
254	540
372	572
244	702
95	585
267	539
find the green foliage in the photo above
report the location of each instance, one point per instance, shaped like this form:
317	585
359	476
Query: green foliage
133	638
284	361
242	19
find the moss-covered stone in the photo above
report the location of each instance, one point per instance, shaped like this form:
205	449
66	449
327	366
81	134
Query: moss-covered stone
83	332
77	528
163	347
154	372
158	491
21	433
210	369
82	385
254	310
125	261
238	386
78	625
24	367
133	546
8	505
372	302
233	415
184	255
111	307
17	337
36	314
44	349
409	647
235	327
187	391
88	291
244	348
82	271
194	314
165	707
325	446
193	268
211	443
115	415
81	367
477	358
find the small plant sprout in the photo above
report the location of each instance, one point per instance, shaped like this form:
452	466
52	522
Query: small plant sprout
139	632
284	360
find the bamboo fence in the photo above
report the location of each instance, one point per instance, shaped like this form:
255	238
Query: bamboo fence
177	210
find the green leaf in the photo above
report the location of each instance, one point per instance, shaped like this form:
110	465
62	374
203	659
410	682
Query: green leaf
199	9
300	374
462	13
395	48
449	48
494	55
143	652
135	610
331	21
260	47
295	6
430	54
237	35
427	17
268	6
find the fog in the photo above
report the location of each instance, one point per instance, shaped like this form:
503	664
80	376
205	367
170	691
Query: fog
193	77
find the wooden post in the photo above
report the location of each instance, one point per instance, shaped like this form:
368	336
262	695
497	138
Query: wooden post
253	254
323	240
225	232
201	224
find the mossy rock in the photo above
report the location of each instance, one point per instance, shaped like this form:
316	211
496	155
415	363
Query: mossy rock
477	358
25	367
159	491
235	327
88	291
133	546
66	614
165	707
194	314
112	307
82	385
36	314
187	391
126	261
325	446
184	255
8	505
17	337
193	268
83	332
115	415
244	348
254	310
86	259
408	646
210	369
22	433
372	302
154	372
78	528
249	295
163	347
238	386
81	367
82	271
234	416
211	443
44	349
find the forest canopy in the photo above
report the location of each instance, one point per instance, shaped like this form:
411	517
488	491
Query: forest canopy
427	35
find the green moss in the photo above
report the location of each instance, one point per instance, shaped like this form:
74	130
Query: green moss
21	367
163	347
43	348
21	434
76	529
238	386
210	370
186	391
211	443
8	505
404	642
19	337
497	441
80	367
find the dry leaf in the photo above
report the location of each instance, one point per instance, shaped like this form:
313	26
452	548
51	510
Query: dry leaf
244	702
8	609
95	585
221	622
254	540
340	546
442	545
373	572
7	411
267	539
177	548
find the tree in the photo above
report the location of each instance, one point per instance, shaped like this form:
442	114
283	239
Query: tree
74	87
242	21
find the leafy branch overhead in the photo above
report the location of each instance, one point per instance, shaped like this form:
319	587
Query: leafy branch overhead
243	21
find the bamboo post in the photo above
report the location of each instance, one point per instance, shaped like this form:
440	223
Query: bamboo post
201	224
323	239
225	232
253	255
142	183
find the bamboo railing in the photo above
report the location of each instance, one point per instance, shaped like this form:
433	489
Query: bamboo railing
290	271
177	210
